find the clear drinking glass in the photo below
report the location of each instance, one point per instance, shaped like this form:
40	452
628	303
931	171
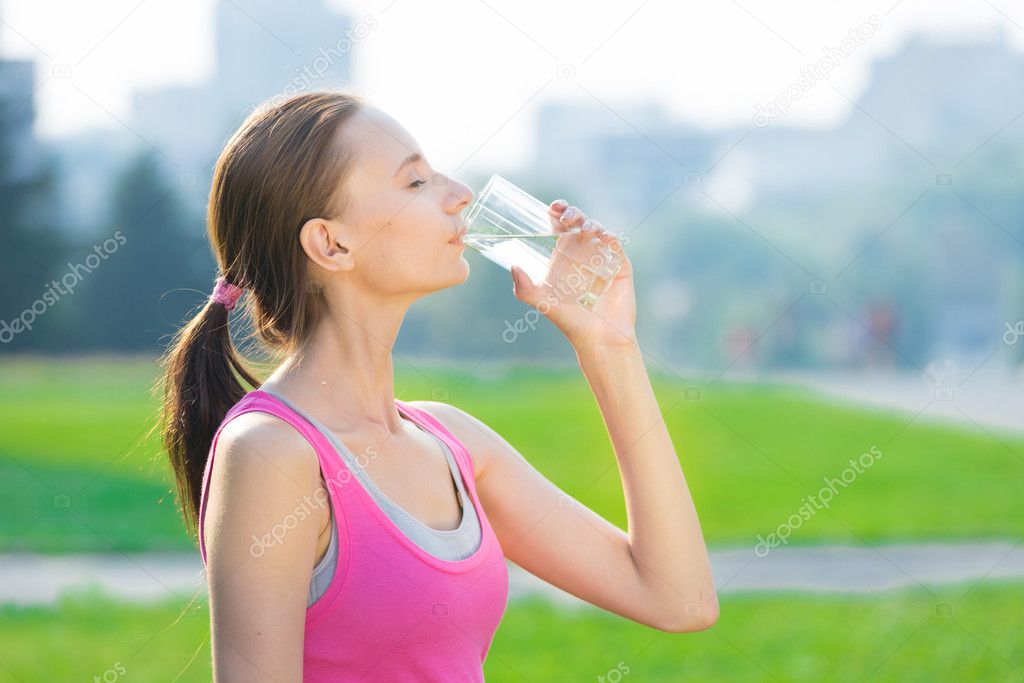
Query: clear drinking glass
511	227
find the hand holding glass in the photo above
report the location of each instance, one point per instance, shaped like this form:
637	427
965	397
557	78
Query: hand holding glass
511	227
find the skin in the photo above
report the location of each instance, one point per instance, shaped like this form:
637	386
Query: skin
392	247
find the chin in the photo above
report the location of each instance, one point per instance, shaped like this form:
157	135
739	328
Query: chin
454	274
463	270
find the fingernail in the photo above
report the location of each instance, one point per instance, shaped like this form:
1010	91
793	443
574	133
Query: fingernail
587	225
560	202
569	213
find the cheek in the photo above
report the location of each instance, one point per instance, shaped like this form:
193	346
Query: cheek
416	237
403	257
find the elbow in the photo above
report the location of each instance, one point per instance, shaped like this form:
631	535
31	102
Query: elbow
690	617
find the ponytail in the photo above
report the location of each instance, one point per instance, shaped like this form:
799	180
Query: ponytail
200	385
285	163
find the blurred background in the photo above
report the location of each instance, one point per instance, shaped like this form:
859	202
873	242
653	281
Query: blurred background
823	205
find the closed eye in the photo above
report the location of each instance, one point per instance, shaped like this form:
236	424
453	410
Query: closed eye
418	183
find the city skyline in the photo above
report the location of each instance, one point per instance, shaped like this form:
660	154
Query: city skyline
90	82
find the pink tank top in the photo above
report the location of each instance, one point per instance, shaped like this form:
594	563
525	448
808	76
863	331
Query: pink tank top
392	612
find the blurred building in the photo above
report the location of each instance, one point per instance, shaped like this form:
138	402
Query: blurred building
741	218
263	49
622	160
87	164
928	93
931	116
17	117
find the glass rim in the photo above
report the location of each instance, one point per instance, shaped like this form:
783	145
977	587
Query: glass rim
515	194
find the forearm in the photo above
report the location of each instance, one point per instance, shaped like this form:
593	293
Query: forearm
665	537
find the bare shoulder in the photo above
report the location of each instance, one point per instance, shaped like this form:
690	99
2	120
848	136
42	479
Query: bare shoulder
261	464
261	541
478	438
261	440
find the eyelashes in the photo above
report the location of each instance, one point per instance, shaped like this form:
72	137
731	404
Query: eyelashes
418	183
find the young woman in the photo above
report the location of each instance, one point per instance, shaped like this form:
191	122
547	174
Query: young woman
352	536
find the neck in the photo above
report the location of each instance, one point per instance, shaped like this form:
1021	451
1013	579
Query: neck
344	372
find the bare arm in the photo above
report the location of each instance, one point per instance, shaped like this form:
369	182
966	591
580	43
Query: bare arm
658	574
262	472
665	538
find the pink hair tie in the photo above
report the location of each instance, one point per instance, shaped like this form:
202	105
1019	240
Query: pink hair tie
226	293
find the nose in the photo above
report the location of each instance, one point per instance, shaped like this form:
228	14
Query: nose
462	194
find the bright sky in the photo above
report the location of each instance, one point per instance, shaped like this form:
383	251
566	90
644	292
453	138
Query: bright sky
466	82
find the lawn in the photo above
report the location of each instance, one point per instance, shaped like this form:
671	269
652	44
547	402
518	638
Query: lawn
77	472
957	633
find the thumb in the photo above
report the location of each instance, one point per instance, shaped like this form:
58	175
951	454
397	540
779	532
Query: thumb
524	288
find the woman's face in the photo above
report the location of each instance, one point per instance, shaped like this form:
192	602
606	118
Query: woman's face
402	214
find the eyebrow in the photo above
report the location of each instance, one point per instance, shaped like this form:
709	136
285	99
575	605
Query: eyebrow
415	156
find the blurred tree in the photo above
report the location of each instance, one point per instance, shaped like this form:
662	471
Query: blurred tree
30	249
153	265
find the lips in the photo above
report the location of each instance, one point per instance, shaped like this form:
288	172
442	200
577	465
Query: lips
458	235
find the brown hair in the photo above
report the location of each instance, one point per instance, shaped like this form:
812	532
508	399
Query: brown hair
283	166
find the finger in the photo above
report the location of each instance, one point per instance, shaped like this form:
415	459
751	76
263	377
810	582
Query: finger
572	217
555	211
591	226
523	287
610	239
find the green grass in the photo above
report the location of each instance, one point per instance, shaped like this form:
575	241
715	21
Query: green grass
77	473
956	634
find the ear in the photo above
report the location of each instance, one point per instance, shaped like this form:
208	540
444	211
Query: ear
324	241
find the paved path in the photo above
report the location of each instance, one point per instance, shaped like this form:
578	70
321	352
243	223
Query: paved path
984	399
27	578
